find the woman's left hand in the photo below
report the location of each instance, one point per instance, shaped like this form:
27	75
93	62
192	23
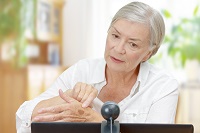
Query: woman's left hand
70	111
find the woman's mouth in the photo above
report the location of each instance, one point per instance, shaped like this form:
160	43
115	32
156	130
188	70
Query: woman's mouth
116	60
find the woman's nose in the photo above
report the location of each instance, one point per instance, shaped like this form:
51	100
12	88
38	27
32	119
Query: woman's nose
120	47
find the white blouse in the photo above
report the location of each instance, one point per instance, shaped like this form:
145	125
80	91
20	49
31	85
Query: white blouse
153	98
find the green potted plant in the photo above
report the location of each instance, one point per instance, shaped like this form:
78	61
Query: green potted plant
184	43
184	38
15	17
11	32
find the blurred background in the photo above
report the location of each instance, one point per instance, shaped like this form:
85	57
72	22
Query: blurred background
39	39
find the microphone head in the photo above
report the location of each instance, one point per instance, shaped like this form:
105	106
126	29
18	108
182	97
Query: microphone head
110	110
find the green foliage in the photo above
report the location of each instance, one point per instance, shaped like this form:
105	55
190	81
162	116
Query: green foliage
166	13
184	38
12	27
9	18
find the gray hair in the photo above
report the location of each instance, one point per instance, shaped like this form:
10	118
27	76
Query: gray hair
143	13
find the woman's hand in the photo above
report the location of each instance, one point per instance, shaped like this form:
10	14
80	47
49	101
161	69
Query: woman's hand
70	111
83	93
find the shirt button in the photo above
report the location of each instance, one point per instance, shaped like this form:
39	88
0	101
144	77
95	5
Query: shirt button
27	123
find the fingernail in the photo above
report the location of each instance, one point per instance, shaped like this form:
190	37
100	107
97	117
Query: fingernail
84	105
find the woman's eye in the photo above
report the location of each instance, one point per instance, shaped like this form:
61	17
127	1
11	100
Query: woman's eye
132	44
115	36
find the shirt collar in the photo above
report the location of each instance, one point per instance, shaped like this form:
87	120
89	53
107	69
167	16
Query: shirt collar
98	73
143	73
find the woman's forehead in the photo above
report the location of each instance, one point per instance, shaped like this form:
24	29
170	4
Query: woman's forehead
131	28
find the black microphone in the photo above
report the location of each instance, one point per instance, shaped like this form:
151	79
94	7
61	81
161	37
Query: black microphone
110	111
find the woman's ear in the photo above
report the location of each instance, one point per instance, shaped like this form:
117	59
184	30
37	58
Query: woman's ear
149	53
147	56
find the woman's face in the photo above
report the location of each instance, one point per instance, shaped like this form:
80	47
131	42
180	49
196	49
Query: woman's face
127	45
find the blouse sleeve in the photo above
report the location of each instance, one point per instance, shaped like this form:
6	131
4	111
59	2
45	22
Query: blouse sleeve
24	113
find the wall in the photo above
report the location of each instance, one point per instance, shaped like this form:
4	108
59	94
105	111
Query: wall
86	22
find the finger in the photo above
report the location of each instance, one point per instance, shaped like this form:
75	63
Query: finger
71	118
68	92
54	109
65	97
48	118
90	99
82	92
76	90
88	90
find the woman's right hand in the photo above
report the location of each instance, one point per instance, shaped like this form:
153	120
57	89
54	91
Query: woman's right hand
83	93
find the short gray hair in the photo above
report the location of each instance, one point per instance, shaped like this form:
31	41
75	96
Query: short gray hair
143	13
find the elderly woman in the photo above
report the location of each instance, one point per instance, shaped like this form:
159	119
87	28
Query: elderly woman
144	93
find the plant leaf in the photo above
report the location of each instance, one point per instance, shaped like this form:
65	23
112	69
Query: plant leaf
196	10
166	13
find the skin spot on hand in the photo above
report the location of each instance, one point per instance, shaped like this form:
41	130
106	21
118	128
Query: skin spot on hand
81	112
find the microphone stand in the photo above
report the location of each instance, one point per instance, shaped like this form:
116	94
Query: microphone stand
110	126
